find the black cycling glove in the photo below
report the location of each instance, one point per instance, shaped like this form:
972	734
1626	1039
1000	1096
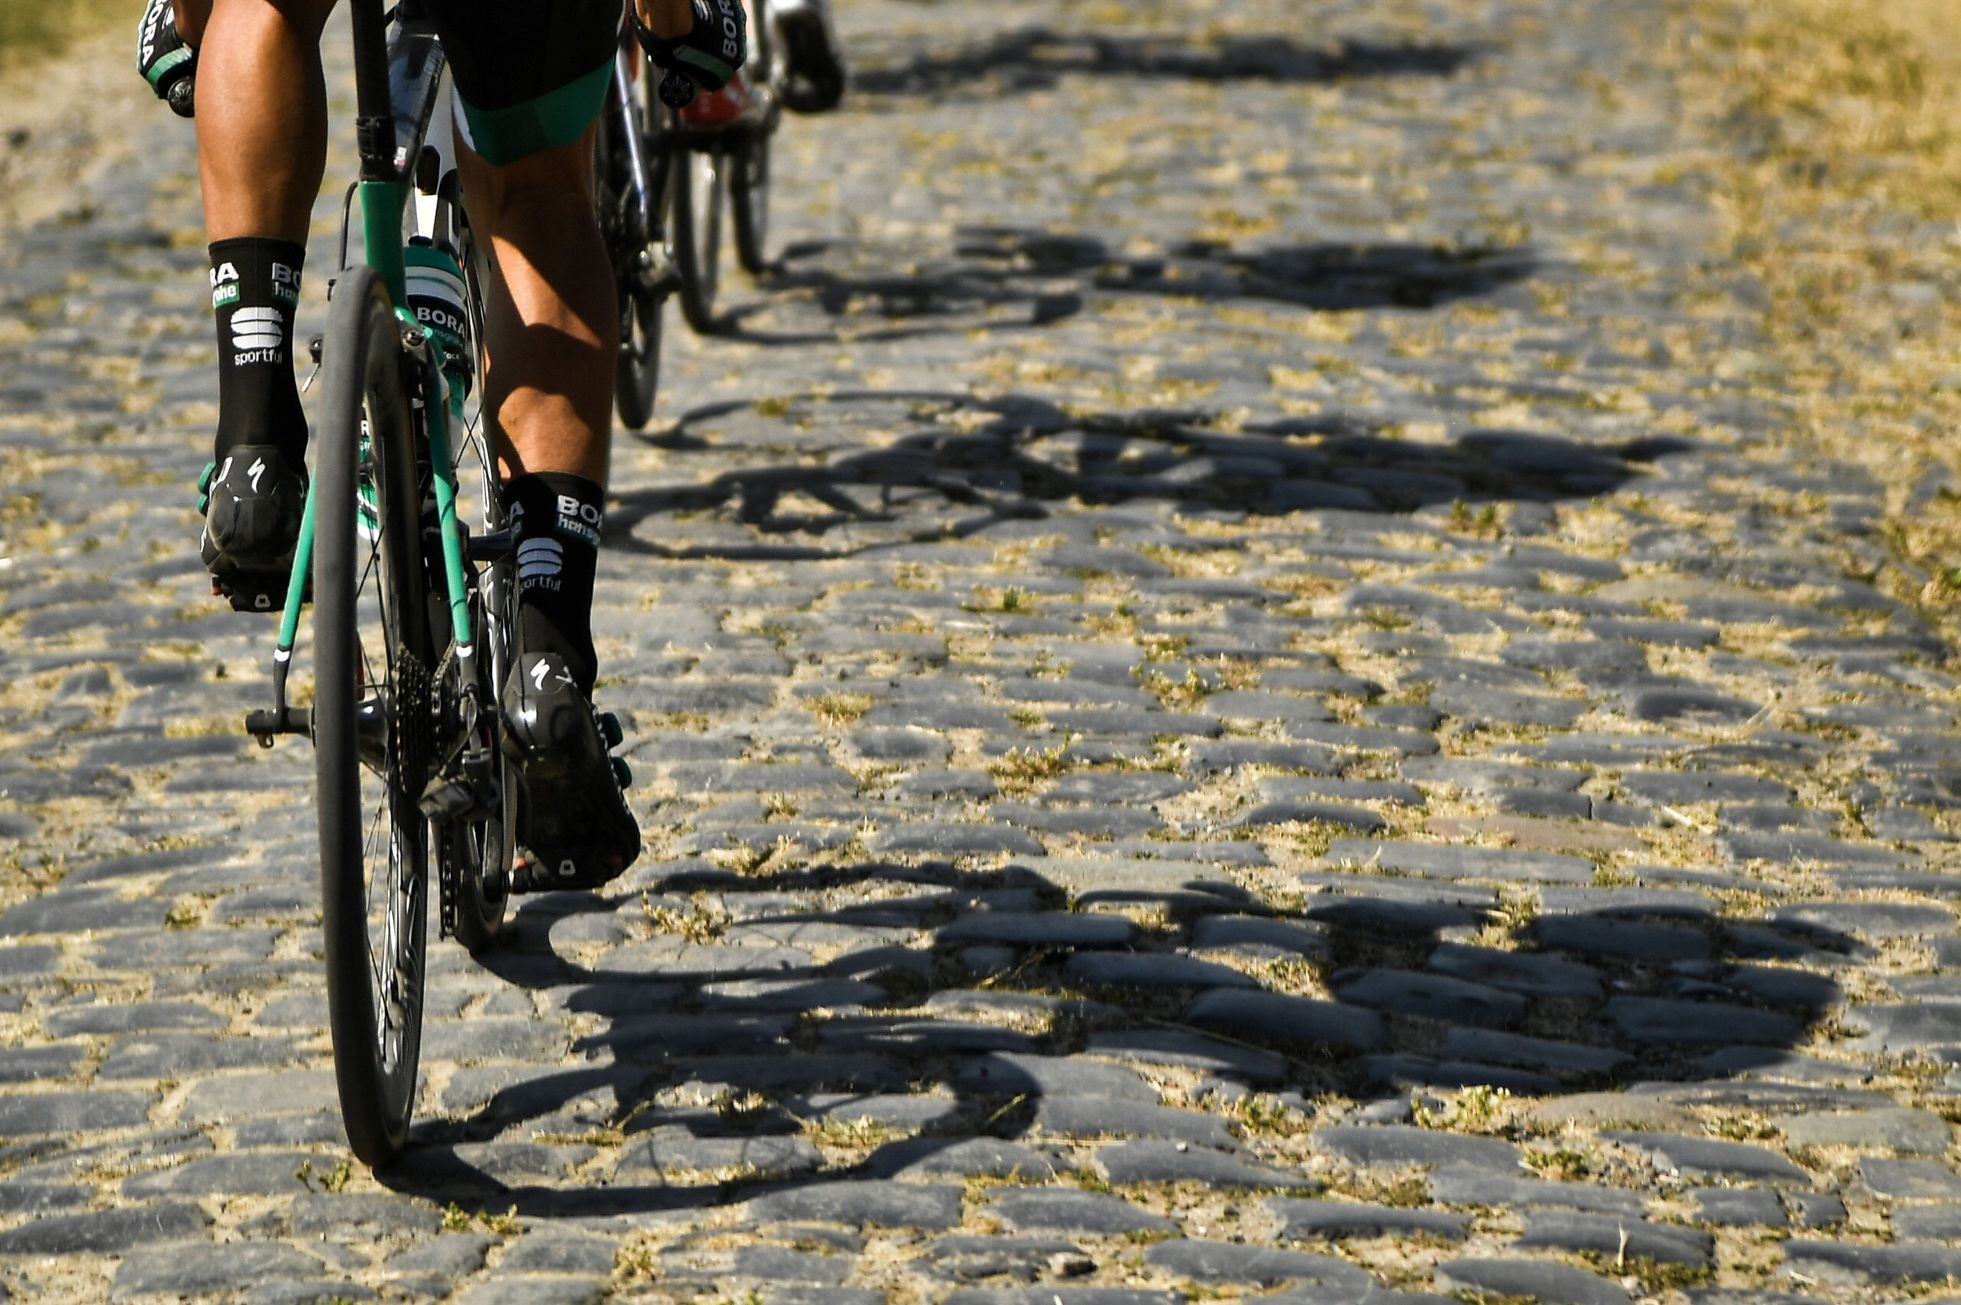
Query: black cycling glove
712	50
165	61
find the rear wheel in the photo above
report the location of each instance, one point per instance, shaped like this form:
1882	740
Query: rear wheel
373	718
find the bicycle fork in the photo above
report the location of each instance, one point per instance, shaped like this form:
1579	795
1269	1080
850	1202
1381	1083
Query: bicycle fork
649	177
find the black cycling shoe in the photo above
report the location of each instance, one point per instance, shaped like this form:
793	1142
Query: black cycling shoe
815	80
575	828
252	503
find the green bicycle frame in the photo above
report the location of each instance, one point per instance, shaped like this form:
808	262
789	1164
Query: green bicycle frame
397	91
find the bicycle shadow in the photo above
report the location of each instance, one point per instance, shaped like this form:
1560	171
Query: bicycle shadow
733	1064
1009	278
1036	58
962	463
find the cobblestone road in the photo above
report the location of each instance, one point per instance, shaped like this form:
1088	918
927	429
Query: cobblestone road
1237	684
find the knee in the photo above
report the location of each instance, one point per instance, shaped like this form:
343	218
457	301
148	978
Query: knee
549	187
308	18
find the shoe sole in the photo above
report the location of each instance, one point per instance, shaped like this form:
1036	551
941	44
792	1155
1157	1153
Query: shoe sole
593	865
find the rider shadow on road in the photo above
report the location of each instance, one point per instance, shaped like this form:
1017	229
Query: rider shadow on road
946	1023
1037	58
1009	277
964	463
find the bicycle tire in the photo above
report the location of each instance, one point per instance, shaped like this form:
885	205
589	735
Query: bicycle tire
749	164
695	216
749	203
636	378
636	375
371	720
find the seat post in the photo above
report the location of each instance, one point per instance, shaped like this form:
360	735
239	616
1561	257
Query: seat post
374	113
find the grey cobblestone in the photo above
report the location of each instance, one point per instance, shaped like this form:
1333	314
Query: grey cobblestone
1236	1262
1925	1179
104	1232
1555	1284
865	1204
1397	1145
1854	1263
1703	1158
189	1269
1089	1213
1601	1235
1341	1221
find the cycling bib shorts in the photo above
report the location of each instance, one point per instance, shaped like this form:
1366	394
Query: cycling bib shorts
530	75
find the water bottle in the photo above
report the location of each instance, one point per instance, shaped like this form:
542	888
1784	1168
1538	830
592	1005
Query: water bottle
437	297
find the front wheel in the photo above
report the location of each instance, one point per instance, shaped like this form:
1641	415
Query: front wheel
749	165
636	377
749	203
695	213
372	718
631	249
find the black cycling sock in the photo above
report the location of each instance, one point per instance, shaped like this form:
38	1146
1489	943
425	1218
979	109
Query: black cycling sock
255	292
558	518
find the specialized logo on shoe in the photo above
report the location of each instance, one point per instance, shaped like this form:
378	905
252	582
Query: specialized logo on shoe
539	562
256	470
541	670
258	336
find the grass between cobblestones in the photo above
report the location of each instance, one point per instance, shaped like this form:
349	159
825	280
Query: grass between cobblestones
1846	203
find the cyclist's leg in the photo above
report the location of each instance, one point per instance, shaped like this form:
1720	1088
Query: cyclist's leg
816	62
525	155
530	82
670	19
550	310
552	328
551	320
262	142
262	113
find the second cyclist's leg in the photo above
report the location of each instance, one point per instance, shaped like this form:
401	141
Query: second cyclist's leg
553	335
815	76
262	141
